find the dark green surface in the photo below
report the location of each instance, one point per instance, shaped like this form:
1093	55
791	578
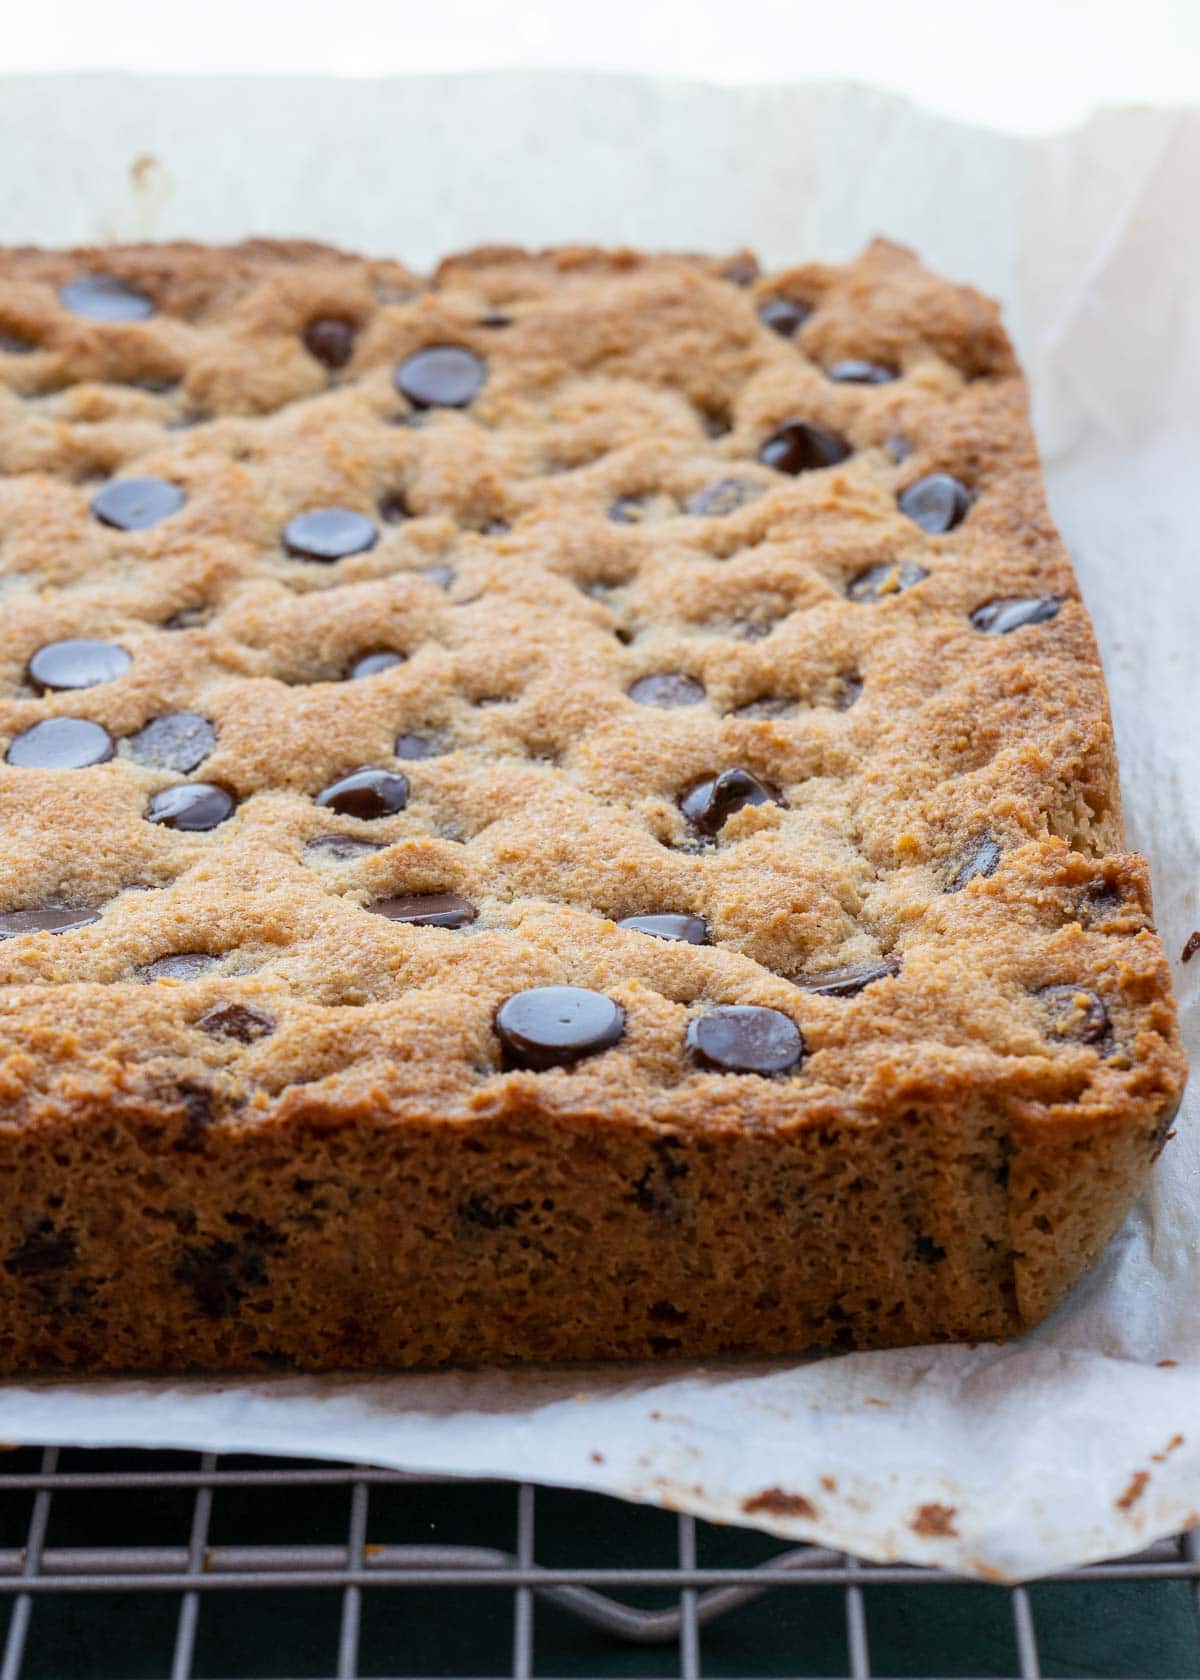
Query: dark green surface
1102	1629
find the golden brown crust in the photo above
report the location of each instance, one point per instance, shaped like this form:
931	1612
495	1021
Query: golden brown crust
365	1182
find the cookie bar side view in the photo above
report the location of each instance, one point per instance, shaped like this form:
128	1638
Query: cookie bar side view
562	810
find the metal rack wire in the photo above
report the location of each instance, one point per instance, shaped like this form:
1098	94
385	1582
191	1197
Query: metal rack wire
198	1570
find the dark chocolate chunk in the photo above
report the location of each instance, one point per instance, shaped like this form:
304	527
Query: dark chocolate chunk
798	446
366	793
709	804
192	807
12	344
341	846
134	504
845	982
889	578
102	297
746	1038
937	503
854	372
980	858
783	315
173	741
45	918
441	376
371	664
236	1020
440	910
667	688
61	743
661	924
43	1249
329	534
179	965
552	1026
223	1273
416	746
77	664
330	338
926	1251
997	618
725	496
1074	1012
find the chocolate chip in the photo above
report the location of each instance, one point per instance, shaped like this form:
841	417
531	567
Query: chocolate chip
688	930
45	918
667	688
178	741
997	618
746	1038
188	618
43	1249
134	504
329	534
394	510
77	664
236	1020
853	372
798	446
440	910
441	576
102	297
1191	946
642	509
222	1274
845	982
723	497
783	315
61	743
416	746
897	447
495	319
848	690
937	503
980	858
1074	1012
179	965
710	803
330	338
371	664
927	1252
341	846
769	706
192	807
552	1026
889	578
11	344
441	376
366	793
741	270
755	629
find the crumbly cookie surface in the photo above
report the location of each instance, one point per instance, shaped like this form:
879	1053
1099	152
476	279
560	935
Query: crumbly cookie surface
591	561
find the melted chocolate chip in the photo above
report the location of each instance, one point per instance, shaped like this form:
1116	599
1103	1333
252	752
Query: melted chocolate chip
937	503
236	1020
366	793
77	664
723	497
134	504
43	1249
330	338
329	534
552	1026
798	446
854	372
45	918
1074	1012
783	315
998	618
416	746
441	376
371	664
341	846
11	344
746	1038
191	807
667	688
710	803
179	965
102	297
980	858
178	741
661	924
61	743
440	910
845	982
889	578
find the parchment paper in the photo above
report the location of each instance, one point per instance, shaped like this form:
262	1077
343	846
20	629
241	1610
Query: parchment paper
1082	1439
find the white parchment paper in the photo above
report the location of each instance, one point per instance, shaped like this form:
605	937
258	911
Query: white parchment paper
1082	1439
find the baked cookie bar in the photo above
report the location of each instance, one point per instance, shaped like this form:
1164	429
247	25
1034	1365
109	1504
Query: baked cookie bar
562	810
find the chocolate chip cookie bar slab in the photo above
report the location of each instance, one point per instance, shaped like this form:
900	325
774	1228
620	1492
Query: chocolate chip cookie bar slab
560	810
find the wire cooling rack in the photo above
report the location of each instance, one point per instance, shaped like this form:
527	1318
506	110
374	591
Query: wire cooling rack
185	1567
